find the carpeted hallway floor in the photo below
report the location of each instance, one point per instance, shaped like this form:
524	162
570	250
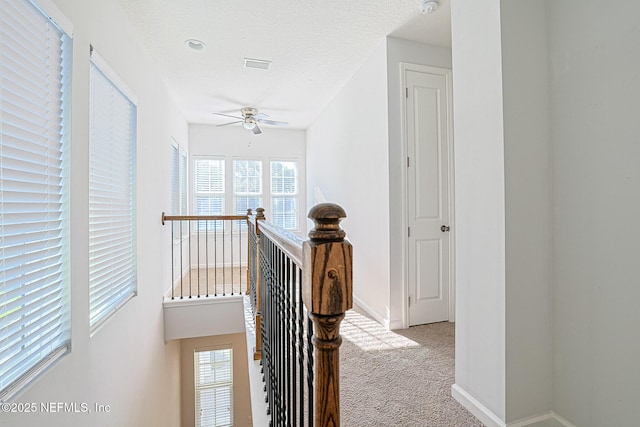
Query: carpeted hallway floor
400	378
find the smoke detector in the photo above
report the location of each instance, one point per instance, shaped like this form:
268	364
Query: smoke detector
429	6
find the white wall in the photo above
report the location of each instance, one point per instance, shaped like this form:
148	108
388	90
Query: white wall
571	99
480	204
126	364
235	141
348	160
595	93
528	208
402	51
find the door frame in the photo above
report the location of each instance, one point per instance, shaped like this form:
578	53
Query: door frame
447	73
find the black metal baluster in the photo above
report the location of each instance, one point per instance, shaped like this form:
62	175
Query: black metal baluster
252	275
215	258
287	341
278	331
224	257
206	254
173	274
301	352
264	319
231	252
267	321
240	262
198	257
283	354
293	362
274	326
189	263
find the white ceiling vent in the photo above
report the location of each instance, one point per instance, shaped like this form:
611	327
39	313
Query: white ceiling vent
260	64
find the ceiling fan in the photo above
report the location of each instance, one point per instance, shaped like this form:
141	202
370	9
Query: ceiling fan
250	119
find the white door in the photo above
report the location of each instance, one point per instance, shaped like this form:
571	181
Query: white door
429	240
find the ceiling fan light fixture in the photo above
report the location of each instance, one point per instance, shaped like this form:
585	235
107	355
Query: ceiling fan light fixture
249	124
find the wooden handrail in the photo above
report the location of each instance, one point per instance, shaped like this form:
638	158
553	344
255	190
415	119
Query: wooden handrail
288	242
196	268
201	217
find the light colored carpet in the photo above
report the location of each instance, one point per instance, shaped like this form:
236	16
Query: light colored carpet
400	378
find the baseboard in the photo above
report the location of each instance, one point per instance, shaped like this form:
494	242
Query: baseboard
371	312
395	325
542	420
558	421
480	411
549	419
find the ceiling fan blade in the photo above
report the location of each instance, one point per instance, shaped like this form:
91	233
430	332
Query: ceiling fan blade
260	116
273	122
230	123
227	115
256	130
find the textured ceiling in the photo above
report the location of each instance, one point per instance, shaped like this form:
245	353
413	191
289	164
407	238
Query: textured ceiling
315	46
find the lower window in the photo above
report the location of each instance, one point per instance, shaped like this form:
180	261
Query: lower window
213	370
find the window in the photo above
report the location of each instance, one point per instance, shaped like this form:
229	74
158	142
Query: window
209	186
214	387
35	80
175	180
247	185
182	182
112	246
284	194
178	185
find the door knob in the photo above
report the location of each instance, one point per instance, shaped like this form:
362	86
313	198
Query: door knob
445	228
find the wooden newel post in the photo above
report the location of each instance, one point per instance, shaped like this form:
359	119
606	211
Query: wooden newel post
327	293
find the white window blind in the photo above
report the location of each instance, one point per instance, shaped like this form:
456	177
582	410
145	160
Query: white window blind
178	188
175	180
35	80
284	194
209	188
247	185
182	181
112	248
214	388
178	180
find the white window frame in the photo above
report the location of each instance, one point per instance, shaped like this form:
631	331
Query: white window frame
199	387
266	194
295	195
34	291
112	266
